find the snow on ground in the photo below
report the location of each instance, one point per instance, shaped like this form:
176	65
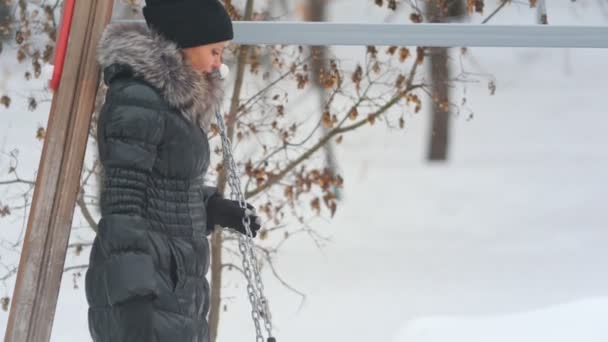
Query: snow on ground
505	242
578	321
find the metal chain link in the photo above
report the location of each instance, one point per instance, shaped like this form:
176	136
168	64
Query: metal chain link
255	287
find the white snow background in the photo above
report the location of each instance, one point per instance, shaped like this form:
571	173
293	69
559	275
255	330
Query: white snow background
505	242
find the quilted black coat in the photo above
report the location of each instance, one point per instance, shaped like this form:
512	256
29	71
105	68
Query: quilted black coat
146	280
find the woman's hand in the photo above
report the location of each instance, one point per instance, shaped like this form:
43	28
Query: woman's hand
228	213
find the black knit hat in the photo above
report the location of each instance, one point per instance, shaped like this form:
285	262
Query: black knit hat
189	23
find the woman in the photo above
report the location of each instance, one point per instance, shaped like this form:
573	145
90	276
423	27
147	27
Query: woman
146	279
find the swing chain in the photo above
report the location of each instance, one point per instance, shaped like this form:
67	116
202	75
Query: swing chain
255	287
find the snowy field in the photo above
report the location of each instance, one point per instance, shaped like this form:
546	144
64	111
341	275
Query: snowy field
505	242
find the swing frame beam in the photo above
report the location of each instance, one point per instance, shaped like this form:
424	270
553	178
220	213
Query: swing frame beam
431	35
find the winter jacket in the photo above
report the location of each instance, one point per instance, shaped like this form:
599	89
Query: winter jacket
146	278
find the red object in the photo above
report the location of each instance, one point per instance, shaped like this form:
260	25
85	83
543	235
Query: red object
62	43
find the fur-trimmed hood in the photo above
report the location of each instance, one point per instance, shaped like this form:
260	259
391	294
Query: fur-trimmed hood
160	63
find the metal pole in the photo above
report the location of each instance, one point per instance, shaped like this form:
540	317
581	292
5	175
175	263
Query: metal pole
431	35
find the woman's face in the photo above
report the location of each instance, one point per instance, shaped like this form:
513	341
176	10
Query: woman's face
205	58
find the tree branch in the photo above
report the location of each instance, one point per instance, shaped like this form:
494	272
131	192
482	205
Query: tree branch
270	85
86	213
17	181
338	130
231	266
76	267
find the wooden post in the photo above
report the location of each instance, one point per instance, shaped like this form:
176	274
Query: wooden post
57	184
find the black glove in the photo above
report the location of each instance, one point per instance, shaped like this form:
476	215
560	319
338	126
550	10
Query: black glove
228	213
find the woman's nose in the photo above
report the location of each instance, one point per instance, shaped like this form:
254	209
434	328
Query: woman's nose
217	63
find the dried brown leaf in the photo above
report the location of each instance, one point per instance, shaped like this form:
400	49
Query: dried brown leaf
5	101
78	249
302	80
376	67
392	5
372	51
315	204
353	113
404	53
391	50
371	118
416	18
327	120
400	81
357	76
288	192
475	6
40	133
5	303
215	129
419	55
4	210
32	104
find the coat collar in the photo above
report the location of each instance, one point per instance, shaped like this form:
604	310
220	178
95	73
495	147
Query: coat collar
160	63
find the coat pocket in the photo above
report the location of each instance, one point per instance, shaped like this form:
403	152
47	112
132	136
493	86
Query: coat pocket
176	269
173	272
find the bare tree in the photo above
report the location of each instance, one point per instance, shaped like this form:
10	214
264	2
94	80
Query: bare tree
441	11
6	20
316	11
281	164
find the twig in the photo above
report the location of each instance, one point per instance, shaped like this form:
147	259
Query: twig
86	213
89	173
268	258
10	273
17	181
23	222
336	131
502	4
231	266
76	267
80	244
270	85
